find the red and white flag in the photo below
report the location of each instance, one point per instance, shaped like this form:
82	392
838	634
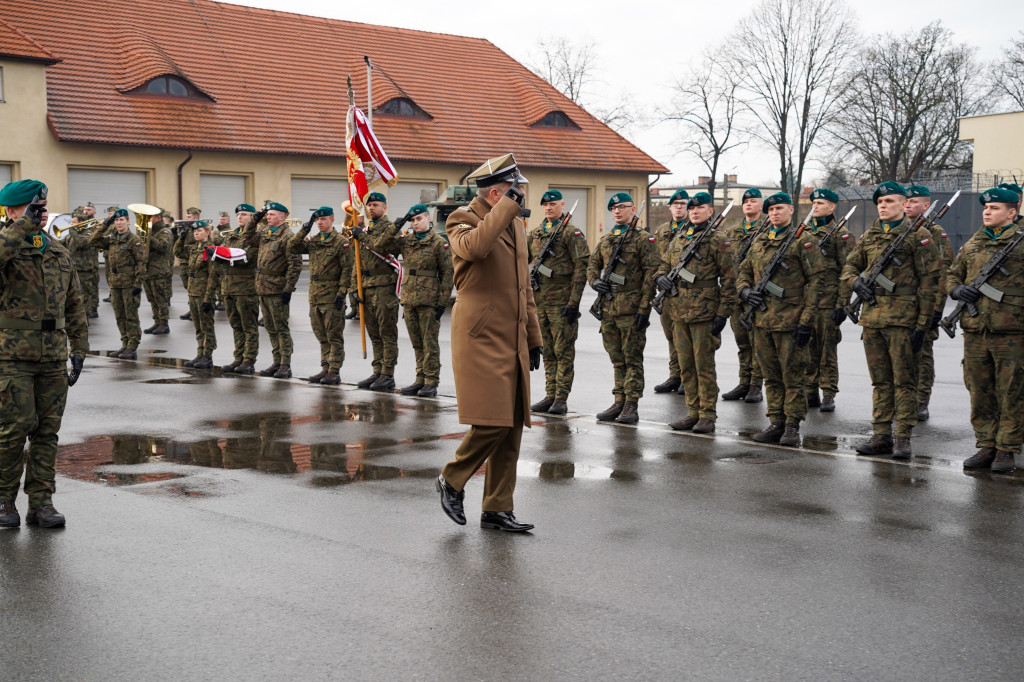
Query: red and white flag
368	165
226	253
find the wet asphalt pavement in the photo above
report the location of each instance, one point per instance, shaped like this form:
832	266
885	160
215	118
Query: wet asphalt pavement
235	527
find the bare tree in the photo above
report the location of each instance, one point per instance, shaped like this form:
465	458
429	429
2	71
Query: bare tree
704	103
1009	78
901	107
789	57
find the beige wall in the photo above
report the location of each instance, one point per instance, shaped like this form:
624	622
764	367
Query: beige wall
998	142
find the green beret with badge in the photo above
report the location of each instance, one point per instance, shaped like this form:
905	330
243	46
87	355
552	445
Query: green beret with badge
700	199
376	196
775	200
826	194
752	193
1012	186
888	187
918	191
619	198
323	212
121	213
275	206
248	208
551	195
417	209
22	192
999	195
679	195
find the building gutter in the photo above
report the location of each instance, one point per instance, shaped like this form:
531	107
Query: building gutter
181	211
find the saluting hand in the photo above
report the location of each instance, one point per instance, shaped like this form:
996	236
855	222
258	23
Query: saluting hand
259	215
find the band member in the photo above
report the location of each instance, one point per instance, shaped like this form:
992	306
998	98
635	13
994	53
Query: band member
126	255
157	280
749	388
663	236
236	281
86	259
192	214
201	283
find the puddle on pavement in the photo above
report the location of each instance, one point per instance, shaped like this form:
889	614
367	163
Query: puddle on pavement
770	457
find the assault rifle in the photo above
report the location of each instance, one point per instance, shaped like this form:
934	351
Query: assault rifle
689	253
748	241
613	260
538	268
765	284
994	265
830	235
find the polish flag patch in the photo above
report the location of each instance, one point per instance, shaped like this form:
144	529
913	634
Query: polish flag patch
926	242
578	233
651	239
345	246
846	236
445	245
728	244
944	235
808	245
229	254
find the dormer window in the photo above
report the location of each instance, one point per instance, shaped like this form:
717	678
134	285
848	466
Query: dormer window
401	106
169	86
555	119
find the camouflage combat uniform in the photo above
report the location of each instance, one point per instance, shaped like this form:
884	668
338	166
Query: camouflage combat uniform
41	312
663	236
888	325
127	257
380	301
87	263
237	285
623	342
926	357
330	272
567	275
428	286
277	272
157	280
201	285
750	371
783	365
994	341
823	356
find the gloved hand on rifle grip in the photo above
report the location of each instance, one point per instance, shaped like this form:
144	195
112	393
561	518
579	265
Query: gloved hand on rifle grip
749	295
602	286
863	291
965	293
663	282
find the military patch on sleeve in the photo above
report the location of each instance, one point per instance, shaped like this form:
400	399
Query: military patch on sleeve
578	233
926	242
445	245
463	226
808	245
651	239
846	236
944	236
345	245
727	244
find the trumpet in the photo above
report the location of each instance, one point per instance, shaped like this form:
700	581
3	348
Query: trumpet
143	213
293	222
61	224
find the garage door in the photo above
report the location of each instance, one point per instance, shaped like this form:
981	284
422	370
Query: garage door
309	194
105	188
220	193
581	218
6	173
404	195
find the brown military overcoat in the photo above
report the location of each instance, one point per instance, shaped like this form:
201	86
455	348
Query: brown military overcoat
494	320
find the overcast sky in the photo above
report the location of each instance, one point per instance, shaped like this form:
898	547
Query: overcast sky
646	45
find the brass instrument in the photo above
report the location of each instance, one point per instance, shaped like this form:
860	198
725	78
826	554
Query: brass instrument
143	214
61	223
294	222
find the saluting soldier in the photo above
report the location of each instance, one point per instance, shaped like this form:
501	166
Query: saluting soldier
626	313
823	361
380	295
41	312
663	236
994	339
277	273
895	326
87	261
127	257
236	280
192	214
201	284
699	310
749	388
157	280
783	327
330	272
106	261
563	274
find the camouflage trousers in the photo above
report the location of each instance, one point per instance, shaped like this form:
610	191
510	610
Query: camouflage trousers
750	371
90	281
667	326
696	346
924	360
823	356
893	376
158	293
244	316
329	329
558	335
126	312
994	374
381	306
625	347
275	321
783	366
424	329
206	336
32	398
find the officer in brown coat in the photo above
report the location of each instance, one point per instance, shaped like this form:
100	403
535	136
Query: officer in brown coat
496	342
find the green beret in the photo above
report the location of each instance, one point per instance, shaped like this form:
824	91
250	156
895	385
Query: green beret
204	224
274	206
121	213
886	188
249	208
918	191
999	195
619	198
323	212
21	192
1013	187
376	196
420	208
679	195
826	194
752	193
551	195
776	199
193	209
700	199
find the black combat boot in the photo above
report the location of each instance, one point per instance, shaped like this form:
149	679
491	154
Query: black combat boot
283	372
9	516
117	353
129	354
828	403
149	330
46	516
186	316
629	414
791	436
331	379
901	448
204	362
543	405
669	385
982	459
612	412
505	521
682	389
880	444
684	424
161	330
812	398
428	392
771	433
412	389
385	382
368	381
245	368
922	413
93	315
1004	463
270	371
231	366
705	425
193	361
754	395
738	393
558	407
315	379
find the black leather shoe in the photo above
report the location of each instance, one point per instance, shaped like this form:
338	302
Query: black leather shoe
9	516
543	405
451	500
1004	462
162	329
205	362
93	315
505	521
385	382
149	330
190	363
412	389
738	393
129	354
558	407
45	516
428	392
186	316
682	389
669	385
368	381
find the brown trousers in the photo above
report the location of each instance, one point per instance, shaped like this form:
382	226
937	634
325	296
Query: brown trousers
499	447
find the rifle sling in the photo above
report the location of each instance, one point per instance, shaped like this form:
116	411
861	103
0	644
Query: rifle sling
898	291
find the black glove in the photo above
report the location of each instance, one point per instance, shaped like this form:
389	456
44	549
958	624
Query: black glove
259	215
802	335
936	318
136	291
34	212
109	221
535	354
514	193
308	225
286	297
571	312
663	282
357	232
206	307
400	223
339	303
718	324
602	286
355	297
209	251
965	293
750	296
76	369
863	291
838	316
439	311
643	321
917	339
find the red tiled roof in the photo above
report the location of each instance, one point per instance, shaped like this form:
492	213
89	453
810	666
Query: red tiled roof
277	81
16	45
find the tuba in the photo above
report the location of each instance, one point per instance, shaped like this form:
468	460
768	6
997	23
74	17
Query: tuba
143	213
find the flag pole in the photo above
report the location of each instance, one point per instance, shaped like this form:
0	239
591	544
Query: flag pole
355	220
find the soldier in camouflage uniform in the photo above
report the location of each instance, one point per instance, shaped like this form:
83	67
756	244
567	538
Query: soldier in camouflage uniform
127	257
749	388
106	261
236	282
784	325
157	280
626	311
192	213
918	201
201	284
699	310
330	272
663	236
380	298
823	356
562	277
41	312
895	326
277	273
994	339
87	262
219	234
